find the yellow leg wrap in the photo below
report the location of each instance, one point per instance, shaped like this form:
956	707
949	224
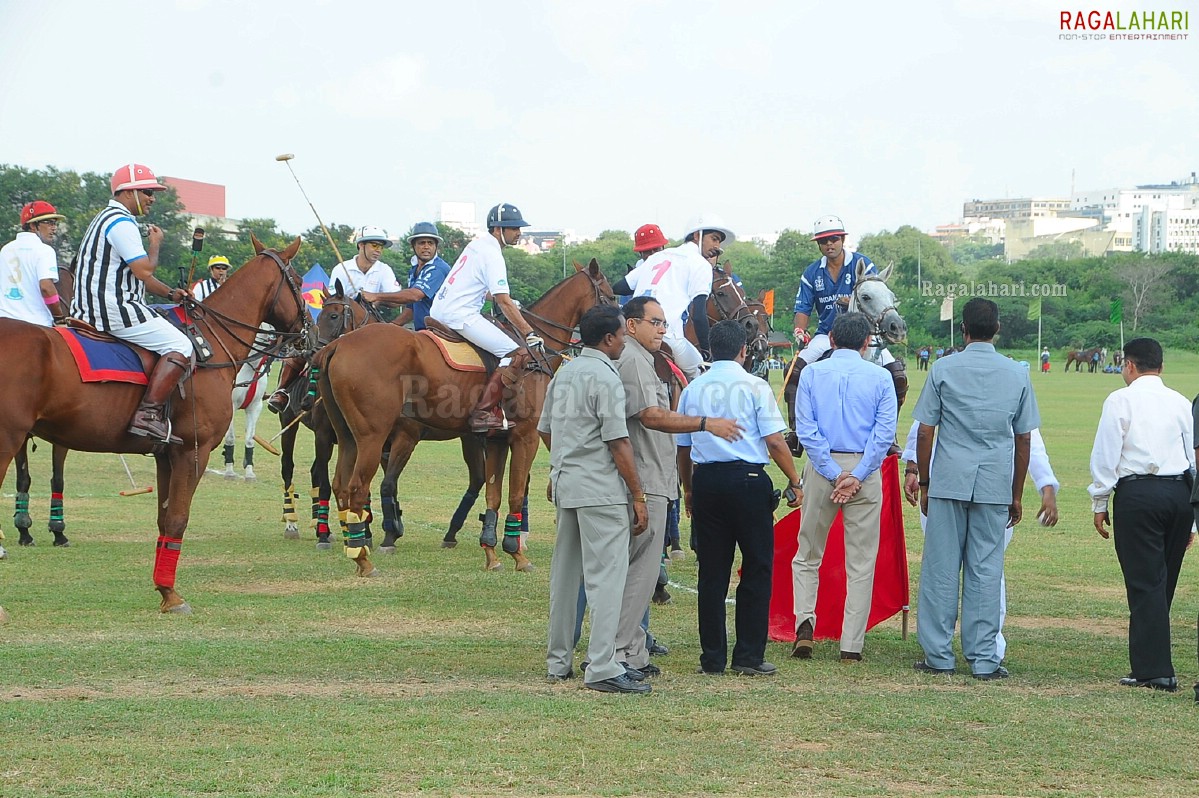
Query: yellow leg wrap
353	525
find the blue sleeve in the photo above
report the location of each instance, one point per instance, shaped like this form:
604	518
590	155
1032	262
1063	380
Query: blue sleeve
882	434
430	279
684	408
818	449
805	297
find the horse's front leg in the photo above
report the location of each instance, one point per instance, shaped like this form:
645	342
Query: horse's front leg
523	443
178	476
287	467
497	459
21	518
58	519
474	454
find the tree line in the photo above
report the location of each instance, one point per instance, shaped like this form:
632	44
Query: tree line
1159	294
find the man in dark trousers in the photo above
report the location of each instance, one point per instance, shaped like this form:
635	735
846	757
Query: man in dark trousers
1144	451
730	500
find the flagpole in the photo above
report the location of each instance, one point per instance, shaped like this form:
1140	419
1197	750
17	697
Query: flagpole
1038	338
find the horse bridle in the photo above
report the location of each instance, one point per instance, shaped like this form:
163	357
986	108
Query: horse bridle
876	322
566	343
348	322
231	326
760	342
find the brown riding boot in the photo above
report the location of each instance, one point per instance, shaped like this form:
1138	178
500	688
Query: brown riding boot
150	421
487	415
789	392
292	366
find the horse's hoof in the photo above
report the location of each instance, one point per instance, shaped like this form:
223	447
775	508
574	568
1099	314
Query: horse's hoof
179	609
527	567
62	543
291	531
323	545
3	553
387	549
493	566
25	540
249	478
449	544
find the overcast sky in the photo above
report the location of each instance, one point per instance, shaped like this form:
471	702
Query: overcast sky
600	115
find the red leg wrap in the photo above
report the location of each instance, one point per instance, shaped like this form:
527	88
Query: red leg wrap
56	496
166	558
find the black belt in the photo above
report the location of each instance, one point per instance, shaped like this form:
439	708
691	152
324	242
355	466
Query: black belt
1170	477
731	464
846	452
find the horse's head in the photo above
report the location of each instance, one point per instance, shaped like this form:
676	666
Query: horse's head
873	297
339	315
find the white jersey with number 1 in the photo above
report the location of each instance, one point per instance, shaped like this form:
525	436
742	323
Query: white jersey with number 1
674	277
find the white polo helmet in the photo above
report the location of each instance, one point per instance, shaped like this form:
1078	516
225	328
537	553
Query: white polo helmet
828	226
371	233
709	221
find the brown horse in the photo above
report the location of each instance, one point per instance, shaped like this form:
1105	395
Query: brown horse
56	406
381	376
1084	357
728	300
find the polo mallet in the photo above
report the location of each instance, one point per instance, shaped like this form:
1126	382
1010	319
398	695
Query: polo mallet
265	444
197	248
294	421
286	158
136	490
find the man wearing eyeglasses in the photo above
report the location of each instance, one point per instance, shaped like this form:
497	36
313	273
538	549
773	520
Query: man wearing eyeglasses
650	423
218	270
115	272
29	268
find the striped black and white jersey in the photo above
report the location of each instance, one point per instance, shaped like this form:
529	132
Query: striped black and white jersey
107	294
204	288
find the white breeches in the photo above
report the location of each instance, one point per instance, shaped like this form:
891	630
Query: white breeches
157	335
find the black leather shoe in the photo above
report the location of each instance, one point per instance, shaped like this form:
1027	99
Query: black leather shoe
803	641
658	650
851	656
1163	683
554	678
999	673
924	667
651	669
618	684
703	672
761	669
633	673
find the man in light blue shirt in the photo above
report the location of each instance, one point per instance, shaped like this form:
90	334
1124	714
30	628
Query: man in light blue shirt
845	417
982	408
732	502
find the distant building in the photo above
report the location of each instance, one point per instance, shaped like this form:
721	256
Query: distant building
1170	230
1120	209
204	205
461	216
1021	208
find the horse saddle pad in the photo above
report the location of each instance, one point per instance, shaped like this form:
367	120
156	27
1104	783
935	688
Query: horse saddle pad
459	355
100	360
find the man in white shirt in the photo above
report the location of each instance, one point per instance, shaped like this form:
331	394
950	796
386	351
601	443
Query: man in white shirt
1144	451
28	287
218	270
680	279
479	271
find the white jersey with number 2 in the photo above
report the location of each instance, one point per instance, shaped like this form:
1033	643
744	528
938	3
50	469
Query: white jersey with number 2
674	277
478	271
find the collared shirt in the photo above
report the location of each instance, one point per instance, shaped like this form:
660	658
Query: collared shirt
427	280
204	288
1040	470
108	295
585	409
24	263
979	400
728	391
818	289
378	279
845	404
653	451
478	271
674	277
1145	428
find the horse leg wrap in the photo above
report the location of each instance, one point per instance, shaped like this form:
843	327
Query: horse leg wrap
393	517
227	450
314	374
899	376
315	493
354	534
58	521
490	520
166	558
249	457
289	503
322	518
512	533
459	518
21	518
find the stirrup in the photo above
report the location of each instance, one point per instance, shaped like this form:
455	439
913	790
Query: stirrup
280	406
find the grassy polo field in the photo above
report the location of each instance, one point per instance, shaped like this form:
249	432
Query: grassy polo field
293	677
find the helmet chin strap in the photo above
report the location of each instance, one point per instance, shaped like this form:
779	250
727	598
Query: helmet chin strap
137	197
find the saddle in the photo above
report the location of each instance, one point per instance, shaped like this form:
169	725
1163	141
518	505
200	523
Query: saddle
89	373
147	358
458	353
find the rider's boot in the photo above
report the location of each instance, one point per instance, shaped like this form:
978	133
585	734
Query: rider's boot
789	392
150	420
278	401
487	414
899	376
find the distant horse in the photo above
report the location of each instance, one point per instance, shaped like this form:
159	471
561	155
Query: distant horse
248	393
56	405
1084	357
377	378
728	301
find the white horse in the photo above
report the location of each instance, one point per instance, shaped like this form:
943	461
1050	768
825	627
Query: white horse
873	297
249	390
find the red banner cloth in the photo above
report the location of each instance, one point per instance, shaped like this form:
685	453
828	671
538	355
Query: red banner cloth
891	592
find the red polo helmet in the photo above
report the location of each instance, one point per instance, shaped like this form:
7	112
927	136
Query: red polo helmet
135	177
39	211
647	237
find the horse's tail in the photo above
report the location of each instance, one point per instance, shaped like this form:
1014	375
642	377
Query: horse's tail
325	383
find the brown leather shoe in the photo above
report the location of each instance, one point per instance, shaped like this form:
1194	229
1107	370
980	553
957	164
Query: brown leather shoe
149	422
803	641
487	420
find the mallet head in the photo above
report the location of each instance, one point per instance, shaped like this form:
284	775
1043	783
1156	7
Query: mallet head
287	156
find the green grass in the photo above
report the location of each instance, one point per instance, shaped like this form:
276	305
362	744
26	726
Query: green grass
294	678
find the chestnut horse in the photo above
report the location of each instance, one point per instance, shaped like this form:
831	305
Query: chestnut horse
56	406
380	377
728	300
1084	357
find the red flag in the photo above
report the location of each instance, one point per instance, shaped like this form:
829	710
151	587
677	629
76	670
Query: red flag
891	592
768	301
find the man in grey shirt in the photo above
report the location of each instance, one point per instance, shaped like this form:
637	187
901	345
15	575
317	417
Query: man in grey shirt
591	464
983	410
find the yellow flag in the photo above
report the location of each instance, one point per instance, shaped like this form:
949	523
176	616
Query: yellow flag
947	309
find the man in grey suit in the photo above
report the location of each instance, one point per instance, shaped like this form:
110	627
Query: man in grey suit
982	408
